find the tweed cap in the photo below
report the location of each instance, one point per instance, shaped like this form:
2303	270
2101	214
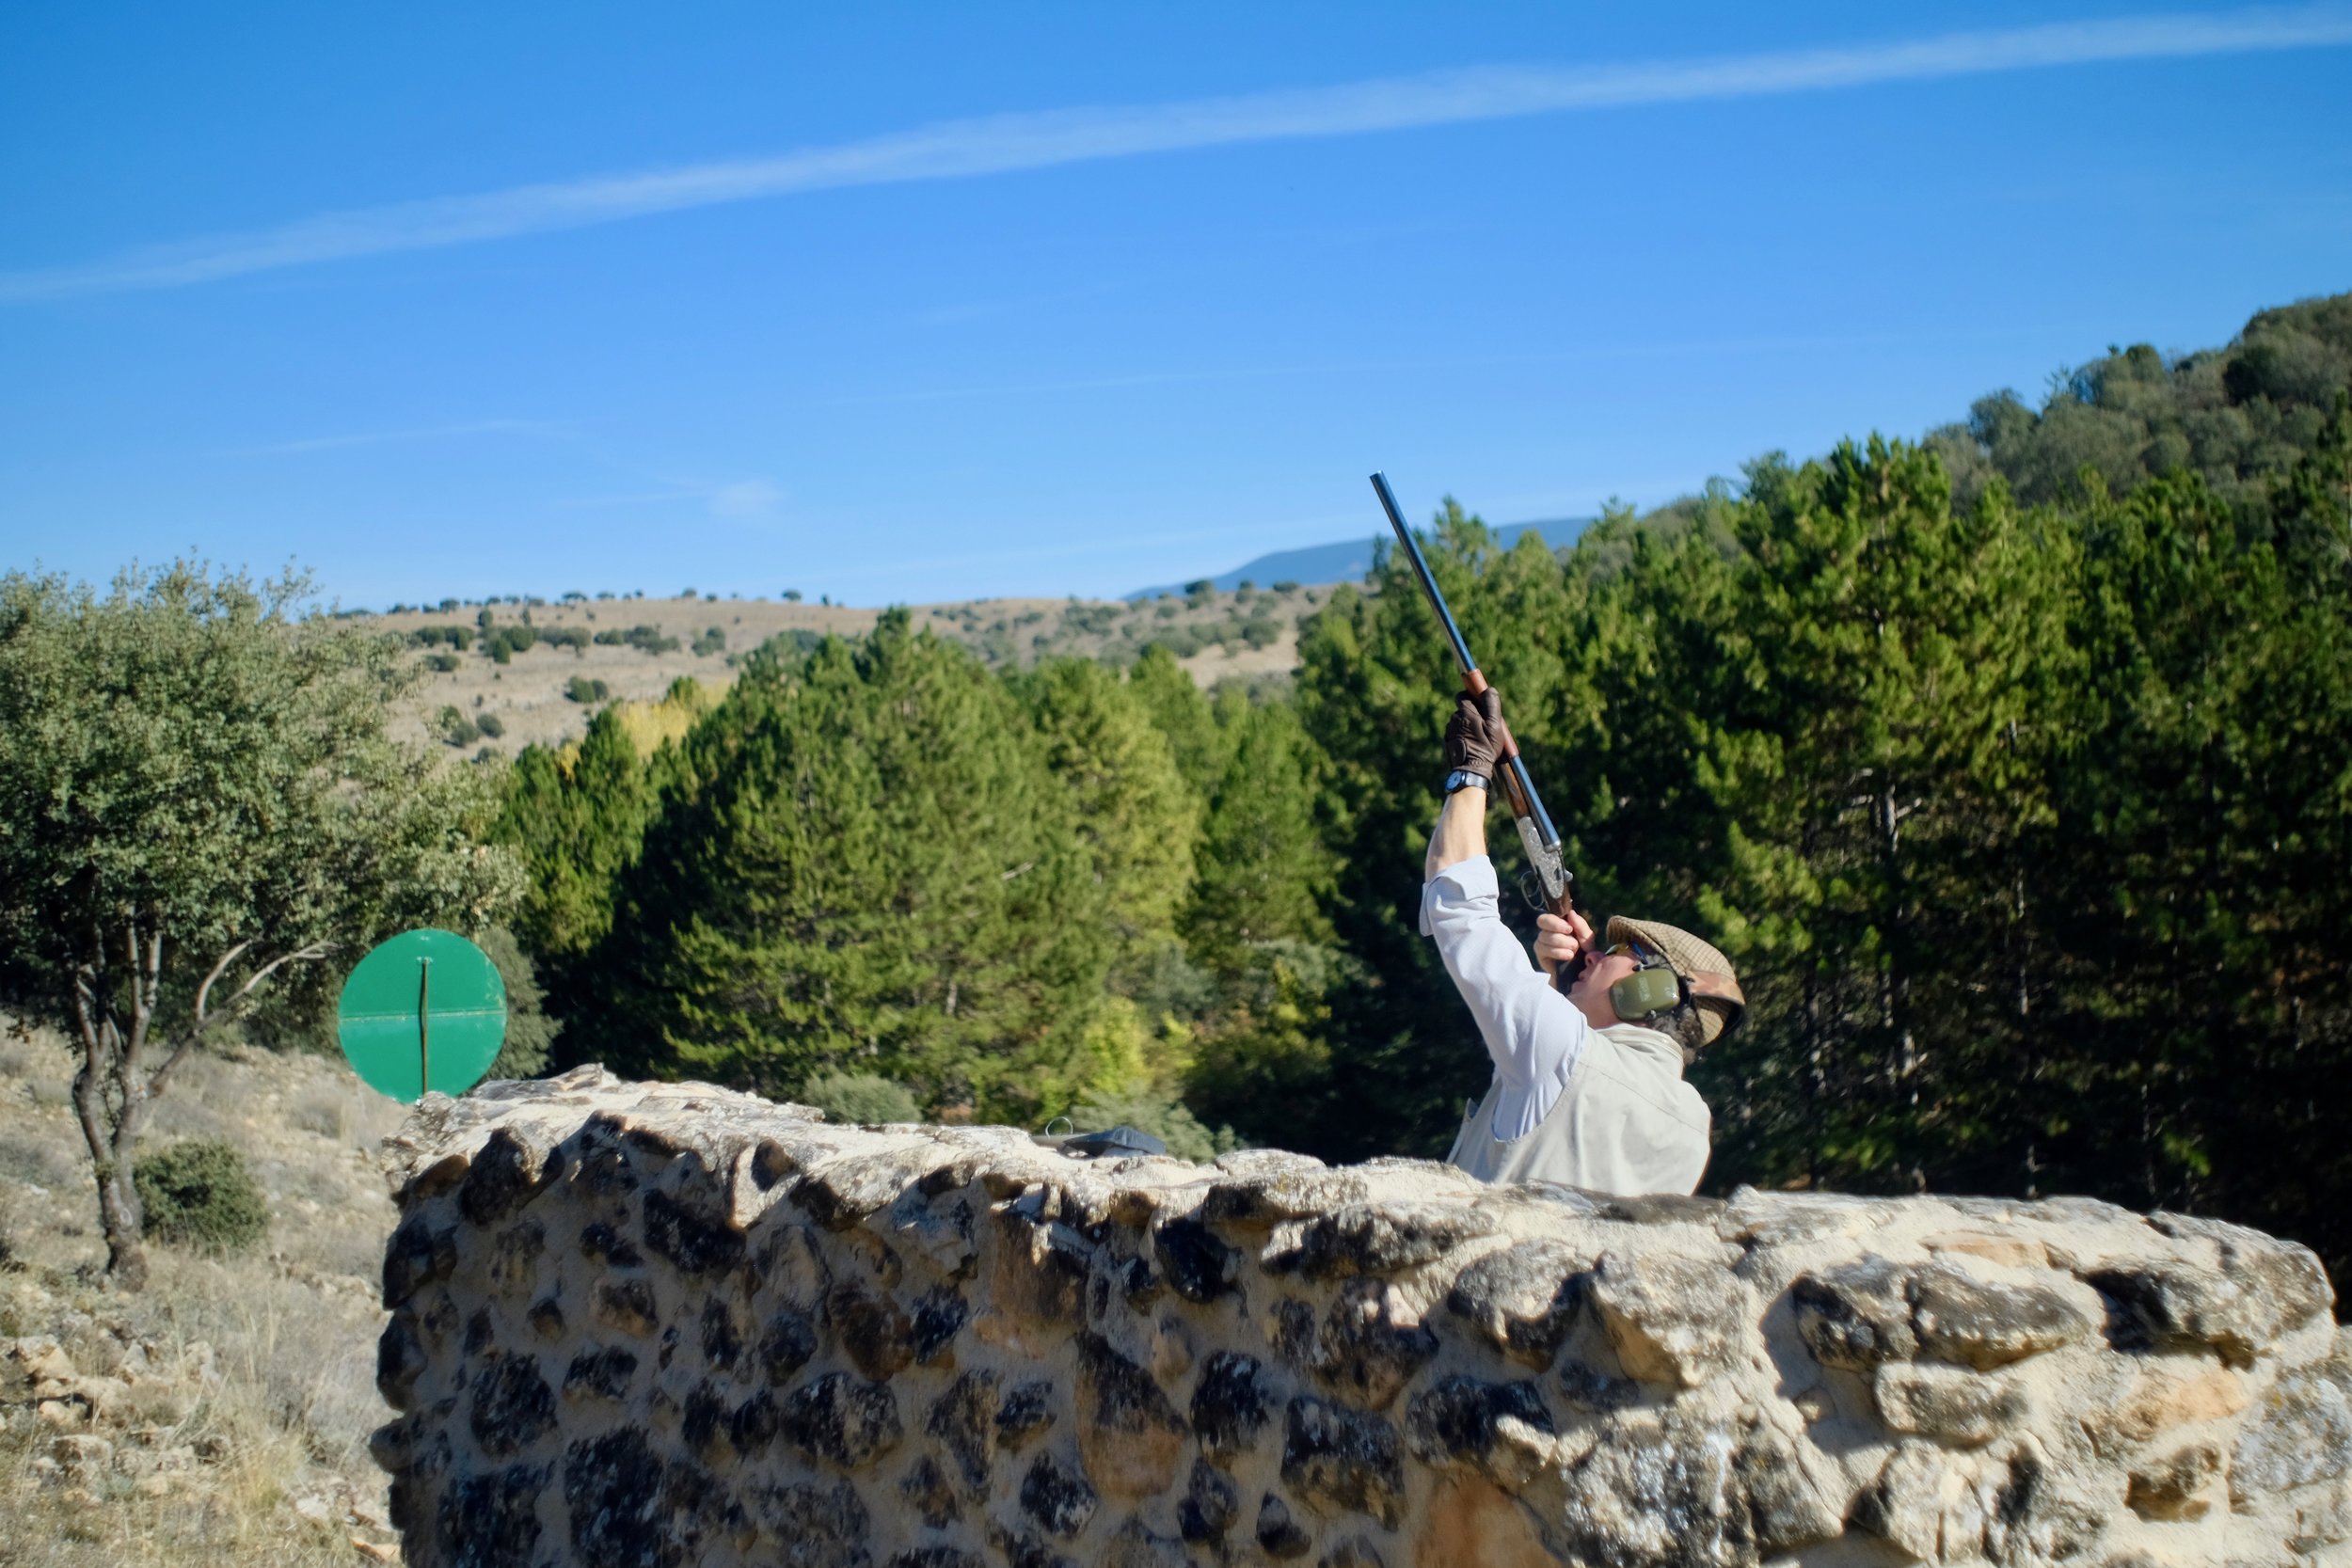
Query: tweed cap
1698	962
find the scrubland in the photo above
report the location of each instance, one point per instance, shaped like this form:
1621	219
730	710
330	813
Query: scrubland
222	1414
1248	635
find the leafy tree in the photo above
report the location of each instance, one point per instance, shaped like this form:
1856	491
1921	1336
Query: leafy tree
863	865
2241	416
198	806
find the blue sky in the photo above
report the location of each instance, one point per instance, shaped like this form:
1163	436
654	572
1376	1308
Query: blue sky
907	302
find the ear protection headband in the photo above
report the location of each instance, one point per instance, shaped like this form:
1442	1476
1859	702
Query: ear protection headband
1657	988
1646	992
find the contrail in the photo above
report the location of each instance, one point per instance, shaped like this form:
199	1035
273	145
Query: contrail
999	144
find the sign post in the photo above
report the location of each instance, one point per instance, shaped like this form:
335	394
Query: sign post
405	1035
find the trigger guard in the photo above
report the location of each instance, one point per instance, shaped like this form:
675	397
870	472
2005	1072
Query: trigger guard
1532	888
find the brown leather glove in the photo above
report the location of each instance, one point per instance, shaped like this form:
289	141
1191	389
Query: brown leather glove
1476	737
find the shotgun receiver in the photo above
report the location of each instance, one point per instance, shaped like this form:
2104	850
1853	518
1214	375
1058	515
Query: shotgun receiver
1554	885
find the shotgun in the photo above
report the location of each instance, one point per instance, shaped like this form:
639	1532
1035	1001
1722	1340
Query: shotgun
1556	885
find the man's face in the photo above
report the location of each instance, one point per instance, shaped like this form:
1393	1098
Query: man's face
1589	995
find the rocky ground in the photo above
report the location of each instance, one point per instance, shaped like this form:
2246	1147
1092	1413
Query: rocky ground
221	1416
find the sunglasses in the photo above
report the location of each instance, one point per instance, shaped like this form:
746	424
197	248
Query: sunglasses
1652	987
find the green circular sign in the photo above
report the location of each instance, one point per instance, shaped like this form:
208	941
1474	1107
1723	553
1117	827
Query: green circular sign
424	1010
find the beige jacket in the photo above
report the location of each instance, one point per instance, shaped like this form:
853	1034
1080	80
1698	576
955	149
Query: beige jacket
1601	1109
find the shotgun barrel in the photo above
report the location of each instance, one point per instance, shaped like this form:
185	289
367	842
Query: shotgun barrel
1555	883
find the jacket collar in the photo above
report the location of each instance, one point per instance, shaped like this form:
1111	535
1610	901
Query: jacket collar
1660	1050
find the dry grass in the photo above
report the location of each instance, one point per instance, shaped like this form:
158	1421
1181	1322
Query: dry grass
218	1468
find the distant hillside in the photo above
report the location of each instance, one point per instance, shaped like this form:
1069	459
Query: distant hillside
518	670
1349	560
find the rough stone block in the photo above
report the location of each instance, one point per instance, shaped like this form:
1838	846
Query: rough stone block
655	1326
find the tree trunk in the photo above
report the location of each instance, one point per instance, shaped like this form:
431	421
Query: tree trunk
119	1214
119	1210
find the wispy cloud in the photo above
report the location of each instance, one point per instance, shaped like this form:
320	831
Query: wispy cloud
1004	142
389	437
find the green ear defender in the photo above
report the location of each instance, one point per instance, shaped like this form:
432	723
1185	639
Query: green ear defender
1646	992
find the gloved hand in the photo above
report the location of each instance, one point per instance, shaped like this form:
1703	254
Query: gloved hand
1476	737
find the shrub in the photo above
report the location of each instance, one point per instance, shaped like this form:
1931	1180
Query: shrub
648	639
456	728
581	690
860	1096
441	663
711	642
198	1192
491	725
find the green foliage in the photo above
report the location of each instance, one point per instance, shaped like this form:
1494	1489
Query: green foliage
504	642
578	823
442	664
199	782
713	640
2009	767
1132	808
490	724
199	1194
643	639
454	727
530	1032
1264	872
2241	416
579	688
864	859
862	1099
1181	711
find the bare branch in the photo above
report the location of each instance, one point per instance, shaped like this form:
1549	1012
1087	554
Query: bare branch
204	991
204	1025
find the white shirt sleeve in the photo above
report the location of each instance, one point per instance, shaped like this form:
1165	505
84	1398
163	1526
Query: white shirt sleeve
1531	1031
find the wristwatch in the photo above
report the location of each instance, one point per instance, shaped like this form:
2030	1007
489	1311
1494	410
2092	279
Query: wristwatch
1462	778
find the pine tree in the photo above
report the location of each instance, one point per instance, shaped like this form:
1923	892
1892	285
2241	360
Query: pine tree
577	821
1181	712
1888	679
1264	870
1133	812
863	865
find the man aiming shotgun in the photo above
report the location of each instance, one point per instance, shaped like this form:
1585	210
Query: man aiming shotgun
1589	1049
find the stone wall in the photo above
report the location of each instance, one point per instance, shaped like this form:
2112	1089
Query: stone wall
643	1324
